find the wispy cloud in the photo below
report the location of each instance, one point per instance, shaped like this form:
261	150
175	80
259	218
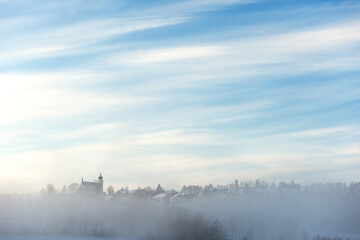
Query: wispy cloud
320	132
169	90
195	6
175	136
100	132
295	49
351	149
69	40
172	54
34	102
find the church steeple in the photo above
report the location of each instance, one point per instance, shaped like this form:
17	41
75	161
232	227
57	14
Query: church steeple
101	184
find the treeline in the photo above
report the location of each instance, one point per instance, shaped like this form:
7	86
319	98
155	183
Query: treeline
259	186
50	189
334	238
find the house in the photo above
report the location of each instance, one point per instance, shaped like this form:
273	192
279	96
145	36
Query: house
95	188
161	197
179	196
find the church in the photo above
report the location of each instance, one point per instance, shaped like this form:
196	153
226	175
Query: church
95	188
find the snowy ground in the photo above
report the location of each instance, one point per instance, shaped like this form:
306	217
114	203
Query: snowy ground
47	237
257	216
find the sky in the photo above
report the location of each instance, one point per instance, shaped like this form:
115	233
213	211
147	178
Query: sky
178	92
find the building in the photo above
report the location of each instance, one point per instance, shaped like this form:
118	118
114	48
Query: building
92	187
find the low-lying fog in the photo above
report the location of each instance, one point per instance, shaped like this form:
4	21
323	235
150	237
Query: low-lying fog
245	216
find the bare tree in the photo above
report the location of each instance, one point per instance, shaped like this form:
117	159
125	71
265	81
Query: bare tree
73	187
159	189
50	189
110	190
64	190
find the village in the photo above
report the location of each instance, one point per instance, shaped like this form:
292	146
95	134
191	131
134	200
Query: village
96	188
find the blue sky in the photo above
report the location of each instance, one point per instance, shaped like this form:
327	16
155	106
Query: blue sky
178	92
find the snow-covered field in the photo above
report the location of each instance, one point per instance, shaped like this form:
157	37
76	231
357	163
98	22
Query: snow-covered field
52	237
266	216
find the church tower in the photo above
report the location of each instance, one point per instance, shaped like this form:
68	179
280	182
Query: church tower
101	184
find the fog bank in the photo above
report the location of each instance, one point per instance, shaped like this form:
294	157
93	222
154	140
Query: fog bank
295	215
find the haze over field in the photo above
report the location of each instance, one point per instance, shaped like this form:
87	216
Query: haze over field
272	214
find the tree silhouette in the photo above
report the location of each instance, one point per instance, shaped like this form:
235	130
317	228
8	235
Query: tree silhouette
110	190
50	189
159	189
74	187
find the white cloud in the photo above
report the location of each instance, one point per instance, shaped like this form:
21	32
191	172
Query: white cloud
174	136
245	56
318	132
49	103
27	97
294	46
194	6
305	41
96	132
73	39
93	31
351	149
169	54
42	50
